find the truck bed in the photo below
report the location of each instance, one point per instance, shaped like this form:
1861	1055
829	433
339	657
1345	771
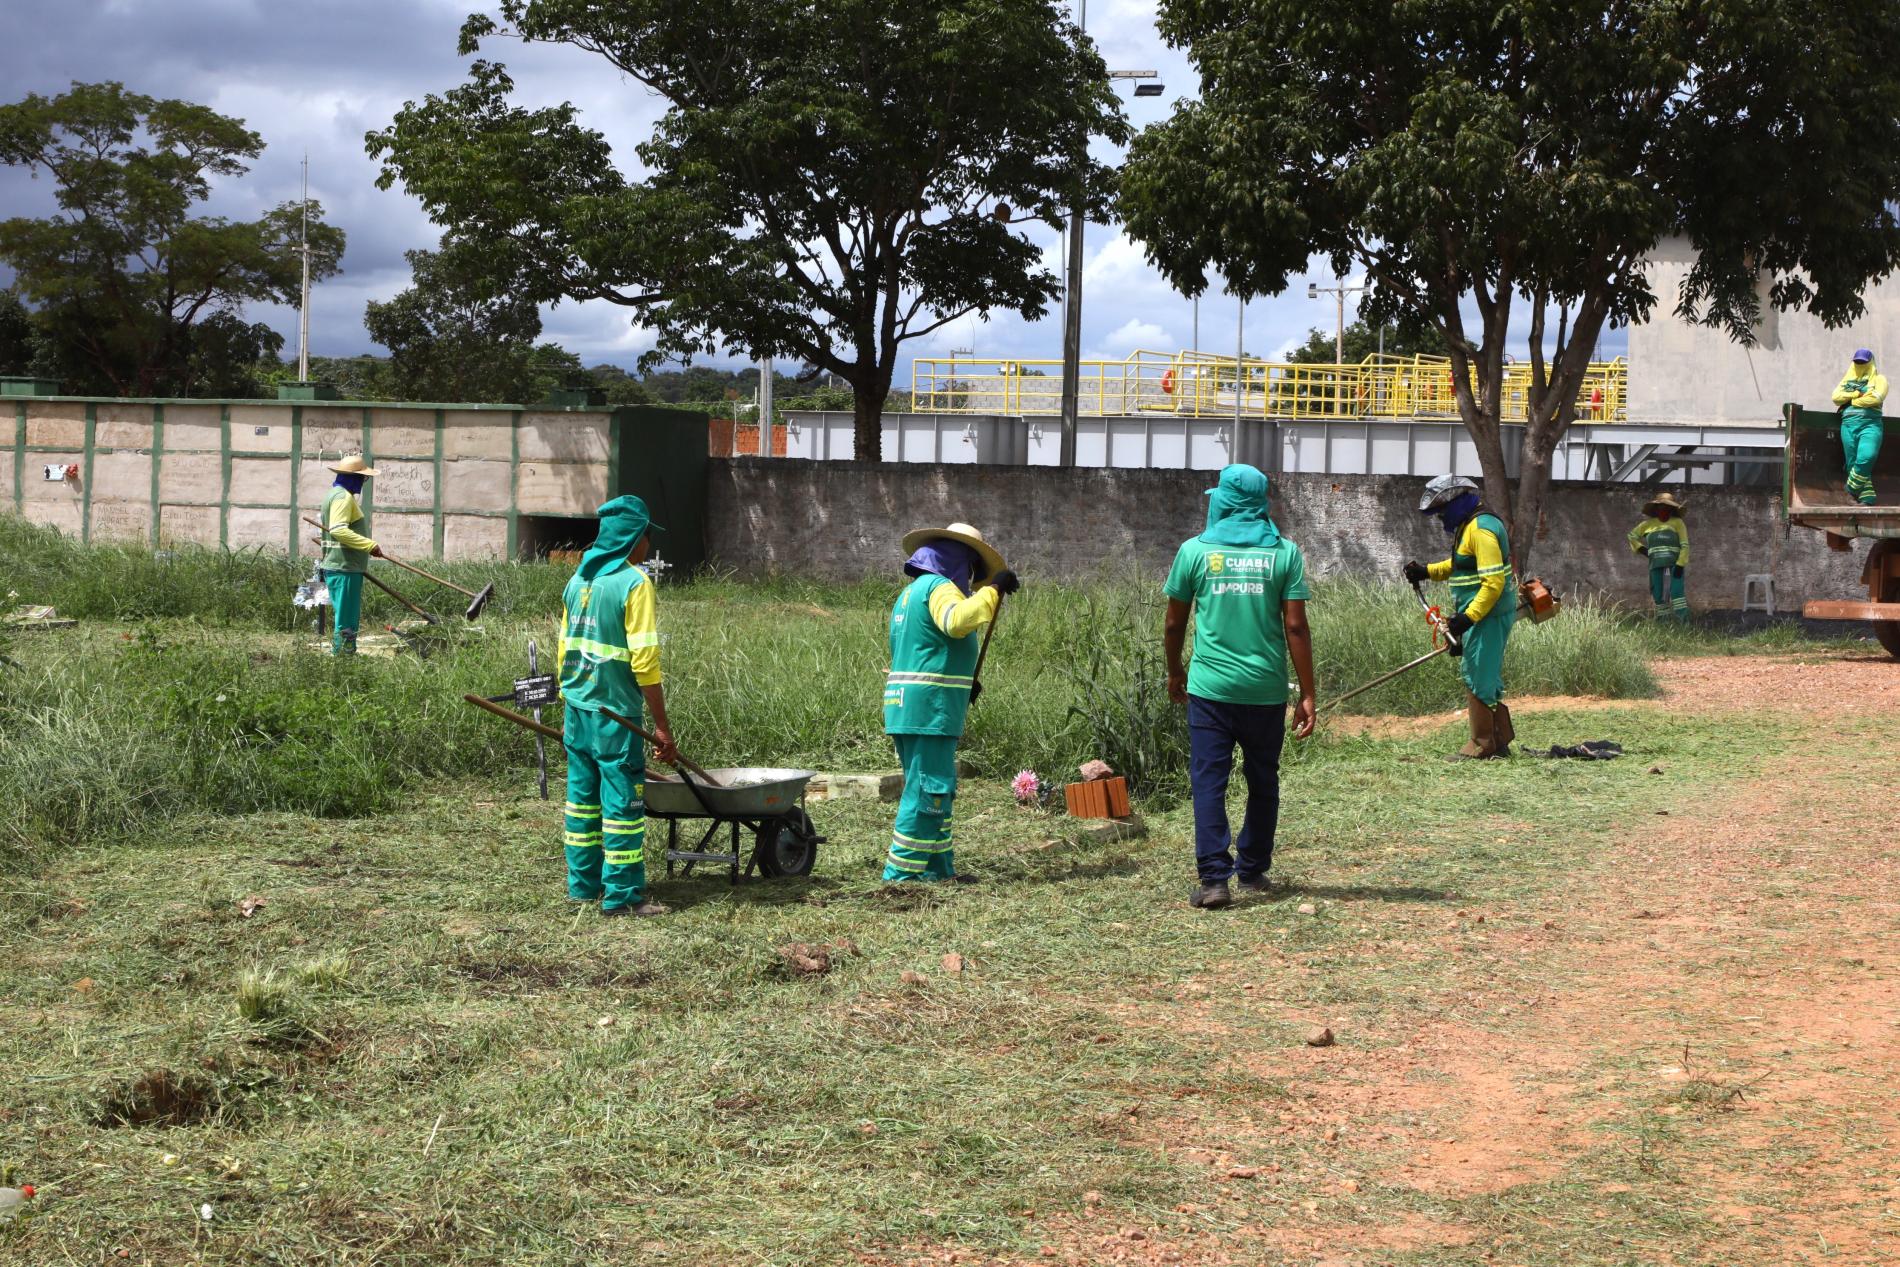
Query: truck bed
1815	491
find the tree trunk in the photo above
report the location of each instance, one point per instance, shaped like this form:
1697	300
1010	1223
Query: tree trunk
1533	482
867	417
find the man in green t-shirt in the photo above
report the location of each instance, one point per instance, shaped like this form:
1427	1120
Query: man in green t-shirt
1245	586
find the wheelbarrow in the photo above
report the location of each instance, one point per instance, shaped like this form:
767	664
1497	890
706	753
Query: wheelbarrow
769	803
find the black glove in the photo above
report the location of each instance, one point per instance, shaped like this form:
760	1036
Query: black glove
976	691
1415	573
1006	582
1458	626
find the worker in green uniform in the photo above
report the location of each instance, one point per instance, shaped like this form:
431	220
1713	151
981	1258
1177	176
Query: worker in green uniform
346	551
610	659
1860	397
1479	571
1664	537
958	580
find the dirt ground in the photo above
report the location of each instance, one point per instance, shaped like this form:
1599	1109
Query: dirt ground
1715	1008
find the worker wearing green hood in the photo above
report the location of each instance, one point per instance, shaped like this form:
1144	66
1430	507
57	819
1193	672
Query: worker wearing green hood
1860	397
610	659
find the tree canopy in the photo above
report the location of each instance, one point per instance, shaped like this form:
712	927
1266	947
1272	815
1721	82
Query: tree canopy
830	178
132	294
1361	341
1487	162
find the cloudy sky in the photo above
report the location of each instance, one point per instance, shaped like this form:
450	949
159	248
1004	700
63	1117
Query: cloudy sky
314	77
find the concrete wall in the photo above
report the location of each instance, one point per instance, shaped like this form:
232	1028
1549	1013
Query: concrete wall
1685	373
843	520
452	480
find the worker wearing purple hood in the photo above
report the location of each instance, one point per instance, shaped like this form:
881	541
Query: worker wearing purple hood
610	660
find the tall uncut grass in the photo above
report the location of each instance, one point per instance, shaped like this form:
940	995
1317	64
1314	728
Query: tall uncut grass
192	685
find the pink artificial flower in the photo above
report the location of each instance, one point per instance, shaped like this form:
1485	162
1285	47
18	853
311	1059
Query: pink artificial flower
1027	785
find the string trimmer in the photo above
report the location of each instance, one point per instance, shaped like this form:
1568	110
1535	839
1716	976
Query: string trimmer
476	599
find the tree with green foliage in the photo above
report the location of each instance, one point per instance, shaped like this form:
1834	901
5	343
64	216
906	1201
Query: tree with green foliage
451	337
621	387
1361	341
19	340
1489	160
131	293
830	180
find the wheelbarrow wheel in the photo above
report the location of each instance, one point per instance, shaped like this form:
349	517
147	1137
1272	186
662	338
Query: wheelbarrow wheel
787	846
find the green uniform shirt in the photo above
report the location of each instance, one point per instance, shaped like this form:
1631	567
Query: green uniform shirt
1239	629
927	691
345	548
1665	541
610	643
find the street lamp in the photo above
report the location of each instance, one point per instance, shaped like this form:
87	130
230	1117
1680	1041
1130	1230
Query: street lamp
1339	290
1146	85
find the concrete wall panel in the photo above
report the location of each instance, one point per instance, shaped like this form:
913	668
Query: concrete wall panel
121	477
404	485
405	536
402	433
261	480
36	487
122	426
196	524
121	521
64	516
6	477
560	488
267	528
474	537
332	433
564	437
473	484
56	424
191	477
313	483
468	433
259	428
843	520
194	428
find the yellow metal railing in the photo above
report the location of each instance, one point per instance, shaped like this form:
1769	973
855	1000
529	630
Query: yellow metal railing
1202	385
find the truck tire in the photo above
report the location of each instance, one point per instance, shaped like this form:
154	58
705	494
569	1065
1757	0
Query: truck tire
1888	631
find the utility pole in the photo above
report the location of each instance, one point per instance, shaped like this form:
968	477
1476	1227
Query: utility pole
765	406
303	304
1339	290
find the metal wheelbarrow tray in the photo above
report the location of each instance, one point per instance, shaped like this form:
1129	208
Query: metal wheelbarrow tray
770	803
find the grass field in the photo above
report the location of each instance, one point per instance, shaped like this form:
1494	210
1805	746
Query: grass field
412	1052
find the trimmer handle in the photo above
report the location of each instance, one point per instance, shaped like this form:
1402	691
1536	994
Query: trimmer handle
1436	618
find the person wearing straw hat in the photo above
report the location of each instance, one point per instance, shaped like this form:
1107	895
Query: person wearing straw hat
1664	537
346	551
1860	395
610	659
958	579
1245	587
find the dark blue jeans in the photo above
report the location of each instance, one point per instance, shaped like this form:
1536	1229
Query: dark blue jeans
1214	729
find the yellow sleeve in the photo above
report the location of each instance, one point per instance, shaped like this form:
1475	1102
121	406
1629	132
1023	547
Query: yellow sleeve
643	634
1876	393
560	652
958	616
344	511
1637	534
1492	568
1845	393
1682	531
1439	571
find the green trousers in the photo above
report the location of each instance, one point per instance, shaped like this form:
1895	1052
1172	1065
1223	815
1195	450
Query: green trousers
346	609
606	827
1482	665
1667	589
920	840
1860	445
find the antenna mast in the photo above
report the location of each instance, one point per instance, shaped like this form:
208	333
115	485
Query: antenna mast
303	308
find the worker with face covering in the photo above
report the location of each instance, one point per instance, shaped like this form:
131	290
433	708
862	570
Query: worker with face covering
346	551
1664	538
1860	397
1479	571
610	659
958	579
1245	586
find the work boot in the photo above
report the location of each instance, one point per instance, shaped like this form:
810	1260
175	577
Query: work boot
1483	742
1502	729
1254	884
645	910
1211	897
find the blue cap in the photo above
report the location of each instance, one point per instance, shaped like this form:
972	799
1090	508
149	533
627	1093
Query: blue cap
1863	354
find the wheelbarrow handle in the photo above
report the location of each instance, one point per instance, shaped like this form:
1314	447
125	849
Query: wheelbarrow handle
654	739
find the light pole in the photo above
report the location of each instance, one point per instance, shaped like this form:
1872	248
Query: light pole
1072	282
1339	290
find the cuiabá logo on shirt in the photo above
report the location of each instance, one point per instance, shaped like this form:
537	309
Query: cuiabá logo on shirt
1260	564
1216	562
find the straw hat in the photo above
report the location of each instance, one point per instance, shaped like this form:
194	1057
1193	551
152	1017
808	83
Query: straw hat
353	465
1662	499
992	561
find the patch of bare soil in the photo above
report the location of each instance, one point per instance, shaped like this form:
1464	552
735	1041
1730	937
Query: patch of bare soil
1711	1017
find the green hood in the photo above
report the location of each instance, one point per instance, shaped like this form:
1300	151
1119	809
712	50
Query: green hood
623	521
